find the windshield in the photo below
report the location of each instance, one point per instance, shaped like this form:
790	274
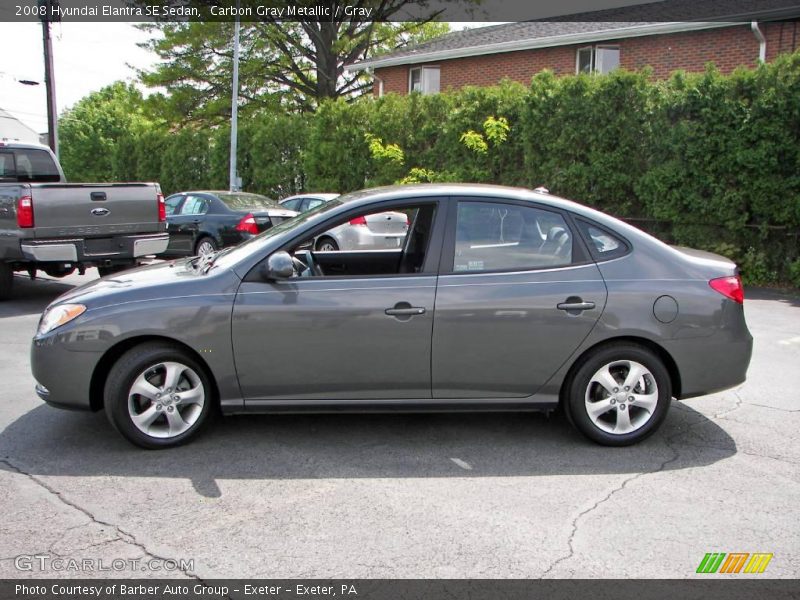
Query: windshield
242	200
230	256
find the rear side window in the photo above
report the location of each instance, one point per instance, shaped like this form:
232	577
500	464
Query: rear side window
492	236
172	203
603	244
245	201
194	205
28	165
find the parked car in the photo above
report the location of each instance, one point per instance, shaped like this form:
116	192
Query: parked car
203	222
50	225
305	202
376	232
498	299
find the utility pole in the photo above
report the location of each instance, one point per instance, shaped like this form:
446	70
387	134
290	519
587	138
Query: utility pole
51	14
234	177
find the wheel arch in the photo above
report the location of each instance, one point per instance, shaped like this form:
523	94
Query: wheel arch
657	349
101	370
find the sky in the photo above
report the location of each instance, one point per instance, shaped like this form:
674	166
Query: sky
86	56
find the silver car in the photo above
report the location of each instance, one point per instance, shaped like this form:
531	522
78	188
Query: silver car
379	231
495	299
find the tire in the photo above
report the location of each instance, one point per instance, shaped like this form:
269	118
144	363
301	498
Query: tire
205	245
607	416
326	244
6	281
113	269
164	421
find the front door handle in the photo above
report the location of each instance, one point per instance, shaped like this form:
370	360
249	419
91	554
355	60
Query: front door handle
404	309
574	304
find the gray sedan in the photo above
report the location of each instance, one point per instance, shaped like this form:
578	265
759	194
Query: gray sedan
496	299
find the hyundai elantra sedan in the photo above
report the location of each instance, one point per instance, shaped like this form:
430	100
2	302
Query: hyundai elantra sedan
496	299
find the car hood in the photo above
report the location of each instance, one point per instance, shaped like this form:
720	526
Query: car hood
152	282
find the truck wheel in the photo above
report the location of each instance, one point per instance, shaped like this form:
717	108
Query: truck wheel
157	395
6	281
106	271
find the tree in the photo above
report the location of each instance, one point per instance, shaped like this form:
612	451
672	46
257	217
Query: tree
289	64
91	129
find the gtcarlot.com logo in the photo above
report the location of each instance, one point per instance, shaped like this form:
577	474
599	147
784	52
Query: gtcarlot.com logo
45	562
734	562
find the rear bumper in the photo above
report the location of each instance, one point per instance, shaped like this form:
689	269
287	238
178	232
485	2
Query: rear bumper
710	365
94	250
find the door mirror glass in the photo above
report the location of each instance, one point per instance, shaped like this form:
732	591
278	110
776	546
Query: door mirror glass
278	266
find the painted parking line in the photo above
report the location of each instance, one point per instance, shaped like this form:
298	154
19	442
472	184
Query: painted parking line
790	341
462	463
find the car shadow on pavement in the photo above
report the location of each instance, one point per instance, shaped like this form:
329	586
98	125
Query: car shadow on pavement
31	297
790	297
50	442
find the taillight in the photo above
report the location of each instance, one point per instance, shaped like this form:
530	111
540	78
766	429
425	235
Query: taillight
358	221
25	211
730	287
247	224
162	208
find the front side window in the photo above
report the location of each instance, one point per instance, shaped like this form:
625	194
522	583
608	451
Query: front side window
425	80
597	59
492	236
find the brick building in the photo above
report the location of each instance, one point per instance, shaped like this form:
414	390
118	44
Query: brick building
518	51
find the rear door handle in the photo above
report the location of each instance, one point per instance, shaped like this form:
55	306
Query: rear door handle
575	305
97	196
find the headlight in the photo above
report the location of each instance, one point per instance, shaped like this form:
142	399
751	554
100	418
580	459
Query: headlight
58	316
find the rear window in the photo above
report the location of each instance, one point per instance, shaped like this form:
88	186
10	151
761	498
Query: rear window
28	165
241	201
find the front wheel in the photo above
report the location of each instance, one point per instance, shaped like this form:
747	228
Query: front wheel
619	395
158	396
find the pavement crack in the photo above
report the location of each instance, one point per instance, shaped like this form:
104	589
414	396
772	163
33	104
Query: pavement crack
575	522
122	535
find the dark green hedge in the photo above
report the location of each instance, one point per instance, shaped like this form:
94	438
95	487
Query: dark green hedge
707	160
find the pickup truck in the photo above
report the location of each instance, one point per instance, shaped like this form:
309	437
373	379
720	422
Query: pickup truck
57	227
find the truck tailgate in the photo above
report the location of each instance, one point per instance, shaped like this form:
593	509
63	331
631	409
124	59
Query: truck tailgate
94	210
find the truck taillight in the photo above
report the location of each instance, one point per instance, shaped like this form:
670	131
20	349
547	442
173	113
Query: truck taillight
247	224
162	208
25	211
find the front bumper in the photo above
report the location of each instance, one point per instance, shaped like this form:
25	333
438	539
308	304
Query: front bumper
63	376
94	250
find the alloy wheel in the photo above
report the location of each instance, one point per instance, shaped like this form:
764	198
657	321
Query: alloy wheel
166	400
621	397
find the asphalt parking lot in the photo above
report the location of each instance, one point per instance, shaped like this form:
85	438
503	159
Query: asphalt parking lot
408	496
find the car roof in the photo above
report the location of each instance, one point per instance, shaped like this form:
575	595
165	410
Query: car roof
317	196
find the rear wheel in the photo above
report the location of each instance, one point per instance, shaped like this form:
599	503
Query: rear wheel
619	395
327	244
158	396
205	245
6	281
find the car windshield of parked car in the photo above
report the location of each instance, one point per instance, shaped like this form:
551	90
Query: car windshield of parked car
245	201
230	256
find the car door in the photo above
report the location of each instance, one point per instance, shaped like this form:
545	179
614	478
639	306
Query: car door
184	225
517	294
337	338
172	206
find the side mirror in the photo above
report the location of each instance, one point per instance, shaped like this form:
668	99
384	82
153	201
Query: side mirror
278	266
